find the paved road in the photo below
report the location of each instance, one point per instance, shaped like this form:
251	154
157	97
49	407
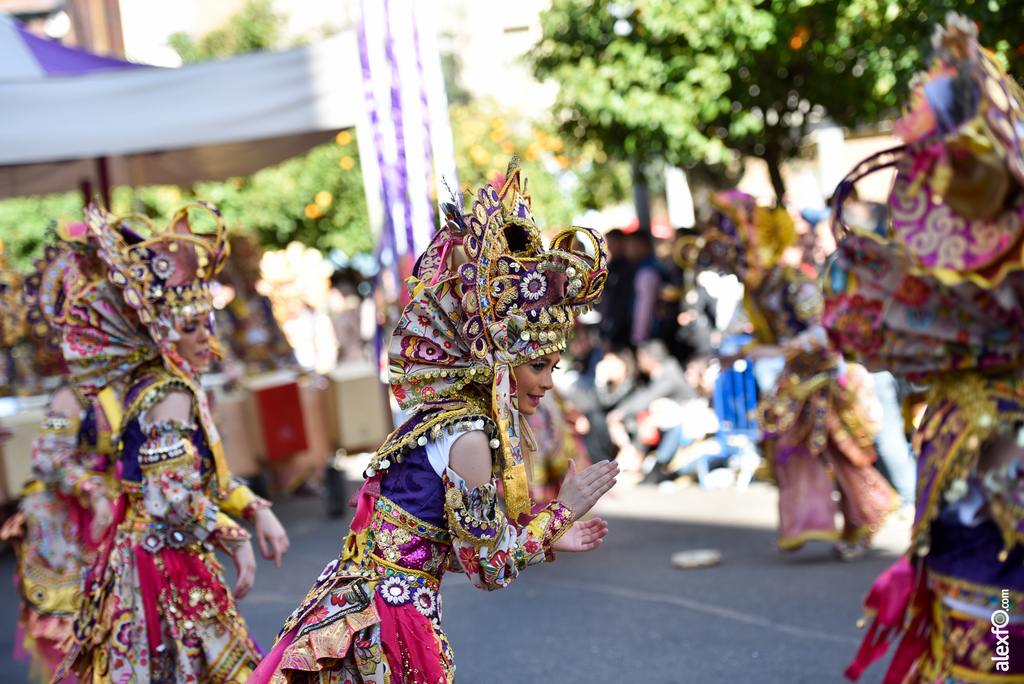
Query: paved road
620	613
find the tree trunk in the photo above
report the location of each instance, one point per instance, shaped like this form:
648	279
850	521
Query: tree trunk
772	157
640	196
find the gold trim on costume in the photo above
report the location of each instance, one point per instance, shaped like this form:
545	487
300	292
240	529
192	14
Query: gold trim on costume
799	540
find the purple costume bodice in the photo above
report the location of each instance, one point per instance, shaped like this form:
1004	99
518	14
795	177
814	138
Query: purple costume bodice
972	554
413	485
133	438
132	441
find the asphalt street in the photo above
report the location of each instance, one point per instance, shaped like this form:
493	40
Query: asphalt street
621	613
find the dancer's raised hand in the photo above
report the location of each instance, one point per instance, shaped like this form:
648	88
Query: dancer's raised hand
581	491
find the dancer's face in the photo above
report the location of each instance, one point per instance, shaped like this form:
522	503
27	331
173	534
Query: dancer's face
533	380
194	345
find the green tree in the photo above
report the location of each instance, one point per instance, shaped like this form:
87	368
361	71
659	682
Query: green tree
316	199
256	27
25	222
636	81
562	183
903	40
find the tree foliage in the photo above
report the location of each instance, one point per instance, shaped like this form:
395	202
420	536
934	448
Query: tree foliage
703	82
25	222
903	38
316	199
562	184
256	27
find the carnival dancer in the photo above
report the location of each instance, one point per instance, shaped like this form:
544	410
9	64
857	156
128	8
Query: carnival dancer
66	507
938	298
19	372
155	607
474	349
818	420
250	333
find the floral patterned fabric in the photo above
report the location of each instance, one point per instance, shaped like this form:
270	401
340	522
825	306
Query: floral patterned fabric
156	608
890	316
936	296
374	614
52	529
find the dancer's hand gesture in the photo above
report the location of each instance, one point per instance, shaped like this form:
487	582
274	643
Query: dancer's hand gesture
271	535
245	565
581	491
582	536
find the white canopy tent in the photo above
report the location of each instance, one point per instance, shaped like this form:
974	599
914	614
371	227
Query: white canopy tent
200	122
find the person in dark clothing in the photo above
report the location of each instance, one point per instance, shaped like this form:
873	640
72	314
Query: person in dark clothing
647	281
697	312
616	306
585	348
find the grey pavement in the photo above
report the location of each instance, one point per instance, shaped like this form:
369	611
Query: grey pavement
620	613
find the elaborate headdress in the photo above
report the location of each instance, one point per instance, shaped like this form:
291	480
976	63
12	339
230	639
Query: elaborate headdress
69	302
940	287
166	277
742	237
487	296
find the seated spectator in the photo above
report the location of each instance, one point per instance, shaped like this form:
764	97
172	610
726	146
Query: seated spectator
655	410
615	377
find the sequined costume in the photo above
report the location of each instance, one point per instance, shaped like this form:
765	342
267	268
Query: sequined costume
155	607
71	462
936	297
247	323
819	420
27	362
12	325
68	303
486	296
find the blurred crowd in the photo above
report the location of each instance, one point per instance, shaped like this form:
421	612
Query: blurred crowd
638	382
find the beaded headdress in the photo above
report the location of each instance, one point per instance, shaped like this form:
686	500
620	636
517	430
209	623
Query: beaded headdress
70	303
487	296
167	275
742	237
939	287
166	278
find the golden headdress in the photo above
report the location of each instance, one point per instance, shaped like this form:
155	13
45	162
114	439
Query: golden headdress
69	302
487	296
166	277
